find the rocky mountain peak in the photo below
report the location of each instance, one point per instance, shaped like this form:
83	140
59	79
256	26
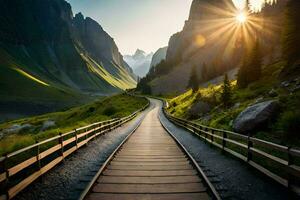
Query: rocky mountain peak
139	54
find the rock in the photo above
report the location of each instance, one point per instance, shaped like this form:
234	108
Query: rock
285	84
48	124
199	109
255	116
258	100
16	128
206	118
273	93
295	89
237	105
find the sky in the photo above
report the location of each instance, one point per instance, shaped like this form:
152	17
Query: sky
143	24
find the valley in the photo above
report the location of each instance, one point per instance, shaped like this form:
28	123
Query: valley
130	99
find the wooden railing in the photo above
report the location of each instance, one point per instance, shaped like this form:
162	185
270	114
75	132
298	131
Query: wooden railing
19	169
279	162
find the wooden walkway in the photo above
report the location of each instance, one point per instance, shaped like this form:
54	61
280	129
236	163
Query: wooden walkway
150	165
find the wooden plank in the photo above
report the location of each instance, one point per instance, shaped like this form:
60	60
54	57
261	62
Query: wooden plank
149	156
149	173
12	171
149	180
269	145
12	192
80	144
2	177
51	164
295	170
269	173
238	155
150	167
27	181
176	151
148	163
185	196
149	188
84	134
50	151
236	143
69	151
65	143
270	157
3	197
295	152
132	160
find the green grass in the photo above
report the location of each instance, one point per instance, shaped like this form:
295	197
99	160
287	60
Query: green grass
282	130
107	108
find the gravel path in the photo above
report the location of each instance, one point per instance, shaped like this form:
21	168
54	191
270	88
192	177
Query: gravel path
69	179
232	178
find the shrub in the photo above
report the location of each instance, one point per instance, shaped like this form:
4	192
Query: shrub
109	111
289	122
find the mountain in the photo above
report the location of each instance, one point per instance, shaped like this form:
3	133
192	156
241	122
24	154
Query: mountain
204	40
50	59
158	56
139	62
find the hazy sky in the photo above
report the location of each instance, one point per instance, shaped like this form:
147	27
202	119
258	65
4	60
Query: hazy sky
144	24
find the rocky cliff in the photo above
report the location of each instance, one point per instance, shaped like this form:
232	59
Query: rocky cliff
158	56
47	55
140	62
206	40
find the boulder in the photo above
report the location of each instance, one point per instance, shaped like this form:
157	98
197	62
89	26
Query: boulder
255	116
236	105
199	109
48	124
273	93
16	128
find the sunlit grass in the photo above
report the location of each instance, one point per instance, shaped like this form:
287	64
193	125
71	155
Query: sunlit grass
31	77
108	108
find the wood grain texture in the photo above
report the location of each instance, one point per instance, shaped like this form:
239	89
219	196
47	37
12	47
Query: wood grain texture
150	165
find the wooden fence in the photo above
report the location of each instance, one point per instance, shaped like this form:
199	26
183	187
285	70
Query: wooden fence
279	162
19	169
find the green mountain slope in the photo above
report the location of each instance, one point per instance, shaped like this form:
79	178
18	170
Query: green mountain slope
51	58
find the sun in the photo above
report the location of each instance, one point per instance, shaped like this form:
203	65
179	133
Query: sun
241	17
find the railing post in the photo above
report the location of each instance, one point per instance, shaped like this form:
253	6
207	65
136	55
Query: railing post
61	141
38	155
290	177
205	131
224	140
212	136
249	153
86	135
5	183
76	139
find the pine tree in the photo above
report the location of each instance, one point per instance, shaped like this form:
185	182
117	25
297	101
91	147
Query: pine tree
291	32
194	81
226	92
255	64
251	69
242	79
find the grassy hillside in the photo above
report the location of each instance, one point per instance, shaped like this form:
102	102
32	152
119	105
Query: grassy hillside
107	108
282	130
51	60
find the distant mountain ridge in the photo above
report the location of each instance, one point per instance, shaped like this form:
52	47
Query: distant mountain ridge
201	42
140	62
50	57
158	56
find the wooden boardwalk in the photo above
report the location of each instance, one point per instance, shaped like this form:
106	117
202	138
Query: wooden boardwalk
150	165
